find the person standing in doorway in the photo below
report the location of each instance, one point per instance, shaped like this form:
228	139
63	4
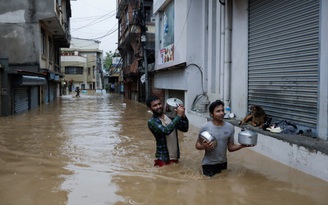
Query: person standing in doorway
165	131
215	157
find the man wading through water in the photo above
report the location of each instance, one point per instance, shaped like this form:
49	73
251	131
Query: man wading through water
165	131
215	157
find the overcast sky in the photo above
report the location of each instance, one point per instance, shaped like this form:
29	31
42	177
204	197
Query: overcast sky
95	19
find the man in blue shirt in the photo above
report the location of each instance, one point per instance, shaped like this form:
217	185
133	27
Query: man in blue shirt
165	132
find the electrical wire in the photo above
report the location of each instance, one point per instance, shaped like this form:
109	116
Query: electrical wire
107	34
98	20
201	73
91	21
203	96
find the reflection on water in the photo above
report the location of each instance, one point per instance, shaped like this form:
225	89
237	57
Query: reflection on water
98	150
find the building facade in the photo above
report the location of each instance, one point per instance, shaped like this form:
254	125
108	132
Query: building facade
82	65
229	51
31	36
179	45
268	53
136	37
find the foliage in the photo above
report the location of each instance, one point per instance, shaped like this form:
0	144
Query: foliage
108	61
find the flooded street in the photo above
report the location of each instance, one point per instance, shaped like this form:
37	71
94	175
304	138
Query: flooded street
97	149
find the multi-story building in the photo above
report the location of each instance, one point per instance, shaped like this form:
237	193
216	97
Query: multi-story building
268	53
215	46
31	35
136	37
82	65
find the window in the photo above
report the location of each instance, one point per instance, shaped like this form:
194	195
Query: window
89	71
94	71
43	42
148	13
121	29
166	34
168	26
73	70
50	52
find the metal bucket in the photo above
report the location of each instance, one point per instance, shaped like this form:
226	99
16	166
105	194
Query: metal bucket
207	137
247	137
171	105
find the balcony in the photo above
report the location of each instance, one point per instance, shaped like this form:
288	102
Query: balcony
56	21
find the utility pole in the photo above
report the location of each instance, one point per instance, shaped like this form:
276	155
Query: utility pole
143	40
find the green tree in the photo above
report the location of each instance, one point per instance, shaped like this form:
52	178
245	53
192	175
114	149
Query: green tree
108	61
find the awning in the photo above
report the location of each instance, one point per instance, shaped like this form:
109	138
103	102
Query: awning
27	80
52	75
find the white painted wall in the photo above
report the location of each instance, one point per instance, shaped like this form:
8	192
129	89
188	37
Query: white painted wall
188	48
239	59
84	44
298	157
79	59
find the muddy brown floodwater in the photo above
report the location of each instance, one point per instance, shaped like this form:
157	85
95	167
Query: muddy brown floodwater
98	150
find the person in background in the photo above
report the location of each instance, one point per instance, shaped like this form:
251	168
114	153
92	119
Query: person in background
215	157
112	87
77	90
165	131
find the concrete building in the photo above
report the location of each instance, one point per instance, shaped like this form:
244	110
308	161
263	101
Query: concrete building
268	53
31	36
82	65
136	46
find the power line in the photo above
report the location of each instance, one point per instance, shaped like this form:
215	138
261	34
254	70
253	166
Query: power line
107	34
94	22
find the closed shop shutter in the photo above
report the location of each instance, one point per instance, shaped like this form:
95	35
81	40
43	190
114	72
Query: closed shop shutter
46	93
283	59
21	97
34	97
52	91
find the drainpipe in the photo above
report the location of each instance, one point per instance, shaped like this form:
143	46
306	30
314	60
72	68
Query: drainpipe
227	53
222	40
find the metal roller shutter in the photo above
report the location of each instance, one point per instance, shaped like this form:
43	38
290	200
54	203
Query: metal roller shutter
283	59
34	97
21	103
46	93
52	91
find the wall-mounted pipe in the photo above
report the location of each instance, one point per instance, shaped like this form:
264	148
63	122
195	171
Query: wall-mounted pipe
227	53
222	50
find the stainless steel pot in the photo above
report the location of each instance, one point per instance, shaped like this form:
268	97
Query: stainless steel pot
205	136
247	137
171	105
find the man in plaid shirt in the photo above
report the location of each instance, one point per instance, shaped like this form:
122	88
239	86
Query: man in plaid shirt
165	131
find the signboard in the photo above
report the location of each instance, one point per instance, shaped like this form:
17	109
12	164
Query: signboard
167	54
